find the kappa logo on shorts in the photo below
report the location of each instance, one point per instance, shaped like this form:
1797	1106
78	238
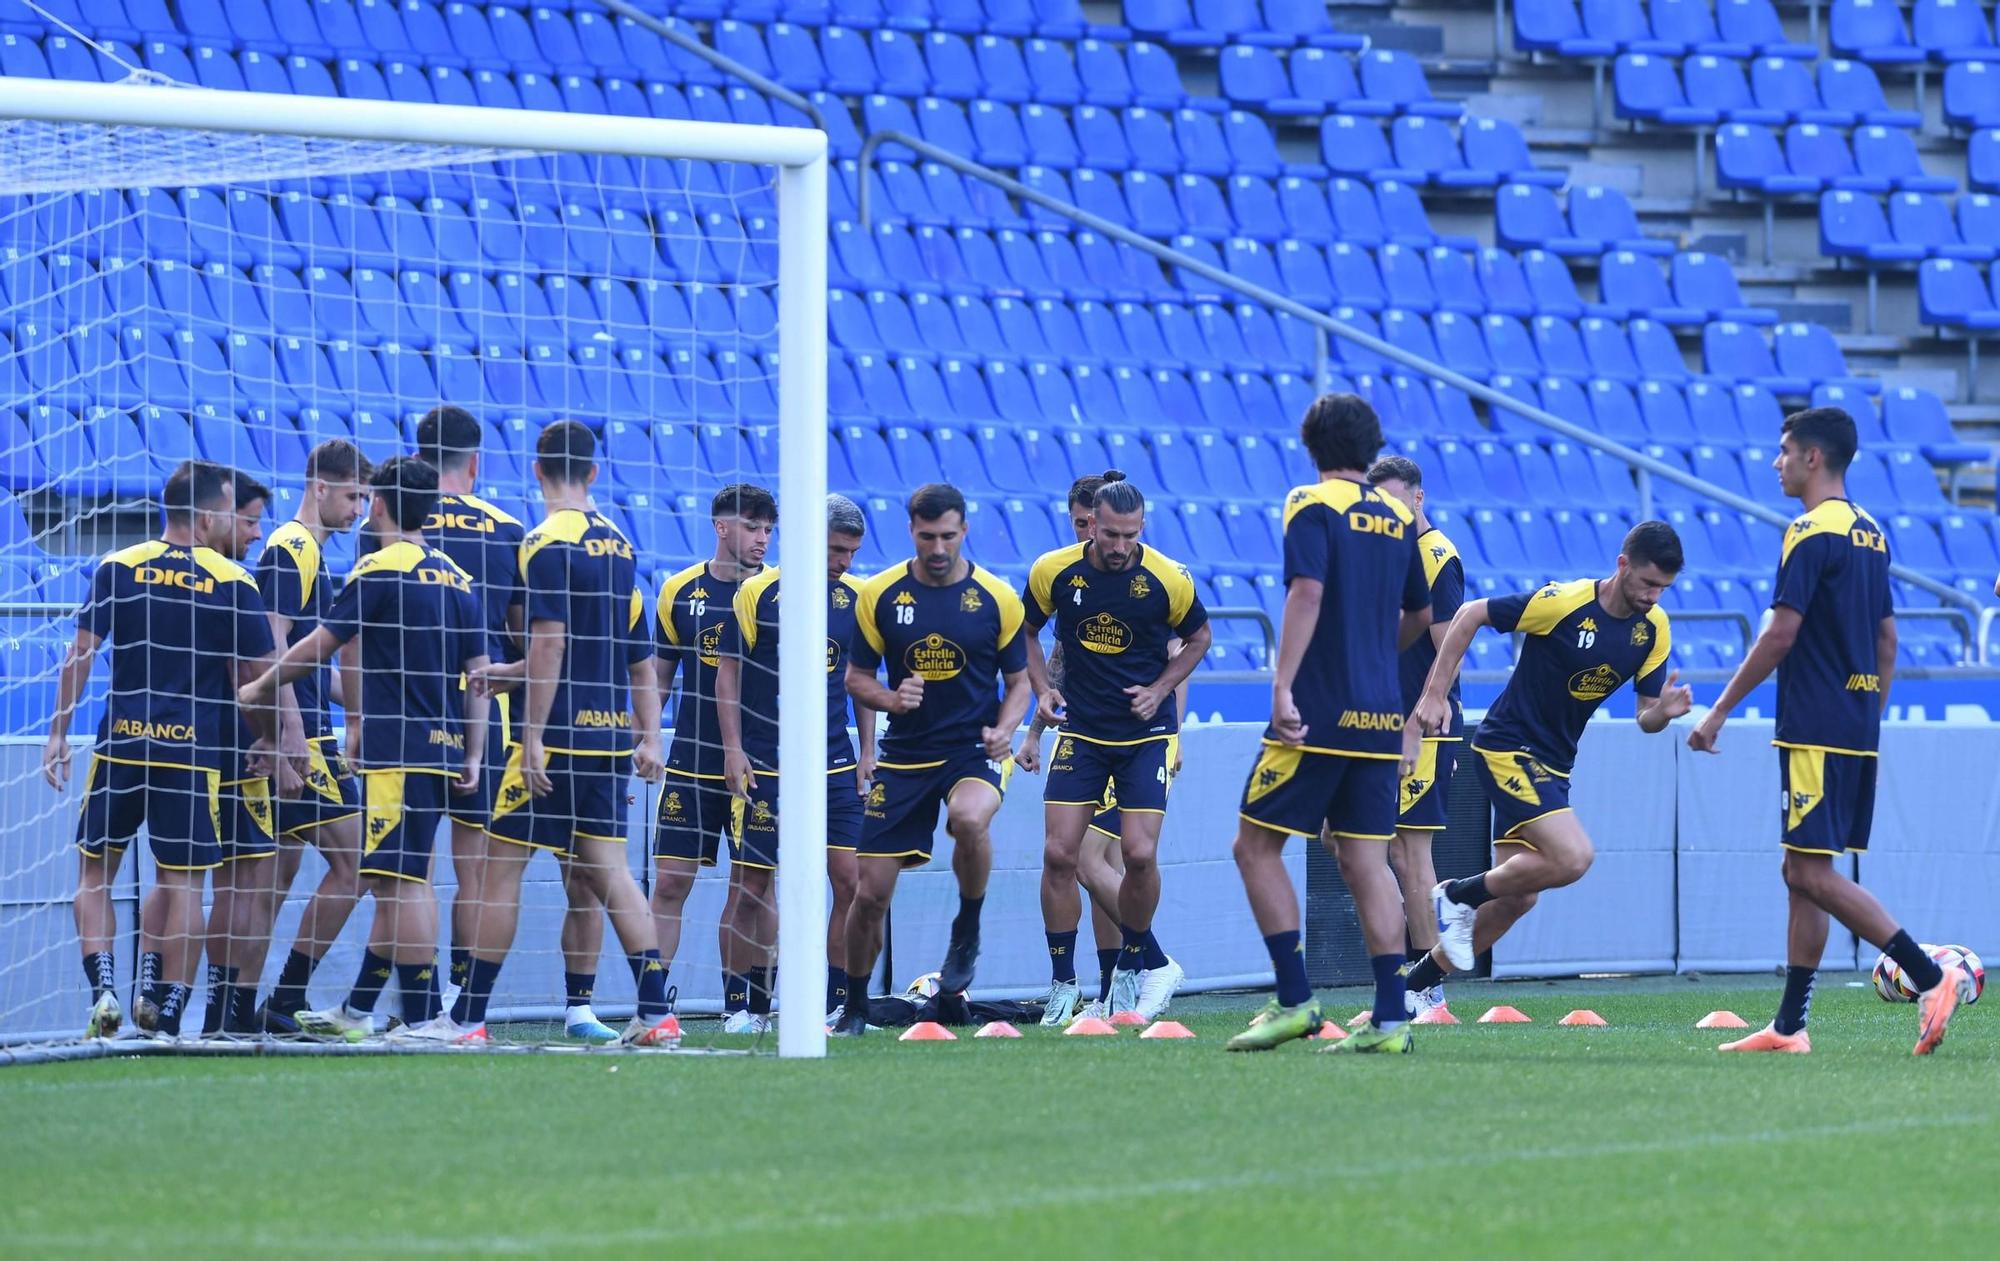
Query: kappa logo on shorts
320	782
1801	802
970	602
512	794
1415	788
379	826
670	806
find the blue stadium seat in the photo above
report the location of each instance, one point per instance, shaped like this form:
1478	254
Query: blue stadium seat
1356	147
1972	93
1748	157
1658	355
1172	21
1605	214
1810	351
1871	31
1053	74
1405	279
1786	87
1504	284
1426	145
1454	282
1917	417
1952	293
1553	289
1952	30
1720	84
1149	134
1851	86
1559	347
1737	352
1526	216
1633	285
1647	87
1395	77
1554	26
1494	144
1256	77
1821	154
1003	70
1707	283
1925	222
1691	24
1889	154
1851	225
1203	146
1255	149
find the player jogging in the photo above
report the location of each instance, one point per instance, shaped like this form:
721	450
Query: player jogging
695	607
185	626
1355	596
946	629
1423	796
298	590
1583	640
422	735
746	689
1832	640
1117	606
590	718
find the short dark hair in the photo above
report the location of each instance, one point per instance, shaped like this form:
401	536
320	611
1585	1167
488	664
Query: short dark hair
566	452
1395	468
1653	543
448	437
336	460
1083	491
1117	494
932	501
248	489
1829	429
194	486
409	486
1341	431
843	516
746	500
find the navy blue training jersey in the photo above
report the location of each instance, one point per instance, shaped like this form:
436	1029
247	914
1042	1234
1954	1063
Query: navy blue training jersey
292	577
1445	573
1362	545
695	606
580	571
1574	656
177	621
485	542
1835	571
960	640
753	635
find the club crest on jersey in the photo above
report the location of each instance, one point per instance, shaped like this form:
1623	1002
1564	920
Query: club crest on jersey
1594	684
1140	587
1104	633
934	659
969	602
1641	636
840	597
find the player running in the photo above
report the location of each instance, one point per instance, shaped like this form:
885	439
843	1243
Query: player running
1355	596
591	716
298	590
1832	640
695	606
422	734
1583	640
1117	606
945	628
746	690
185	626
1425	790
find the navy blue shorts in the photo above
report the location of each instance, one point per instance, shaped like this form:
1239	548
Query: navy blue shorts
1829	799
179	807
1305	793
1425	792
754	827
693	814
1521	789
330	793
249	821
587	801
900	816
1112	777
404	809
475	809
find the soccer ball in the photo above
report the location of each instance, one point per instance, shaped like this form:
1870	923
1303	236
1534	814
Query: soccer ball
926	986
1893	987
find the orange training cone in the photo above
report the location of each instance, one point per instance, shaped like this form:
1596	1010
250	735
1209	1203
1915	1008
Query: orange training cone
1123	1018
997	1029
1438	1015
1722	1020
1330	1032
1089	1027
1505	1016
1361	1018
927	1031
1582	1016
1167	1029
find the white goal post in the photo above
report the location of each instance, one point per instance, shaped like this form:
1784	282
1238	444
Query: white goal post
73	111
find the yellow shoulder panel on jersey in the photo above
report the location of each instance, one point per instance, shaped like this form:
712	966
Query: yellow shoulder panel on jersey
398	558
1553	603
670	590
298	542
221	567
1012	611
566	526
871	595
1833	516
1339	495
638	612
852	583
1663	640
498	514
1042	576
139	553
1438	552
1174	579
748	595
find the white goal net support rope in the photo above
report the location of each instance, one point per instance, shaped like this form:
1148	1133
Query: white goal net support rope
239	277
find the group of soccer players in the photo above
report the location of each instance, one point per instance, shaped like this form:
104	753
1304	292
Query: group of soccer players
510	679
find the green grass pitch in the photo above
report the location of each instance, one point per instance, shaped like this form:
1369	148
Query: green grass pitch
1635	1140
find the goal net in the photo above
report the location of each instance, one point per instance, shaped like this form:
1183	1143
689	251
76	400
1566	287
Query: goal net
238	278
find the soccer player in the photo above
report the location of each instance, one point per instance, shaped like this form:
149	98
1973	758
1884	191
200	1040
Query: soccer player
946	629
1832	640
298	591
746	691
1117	606
422	734
185	626
591	717
1422	796
1583	640
1355	596
695	606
